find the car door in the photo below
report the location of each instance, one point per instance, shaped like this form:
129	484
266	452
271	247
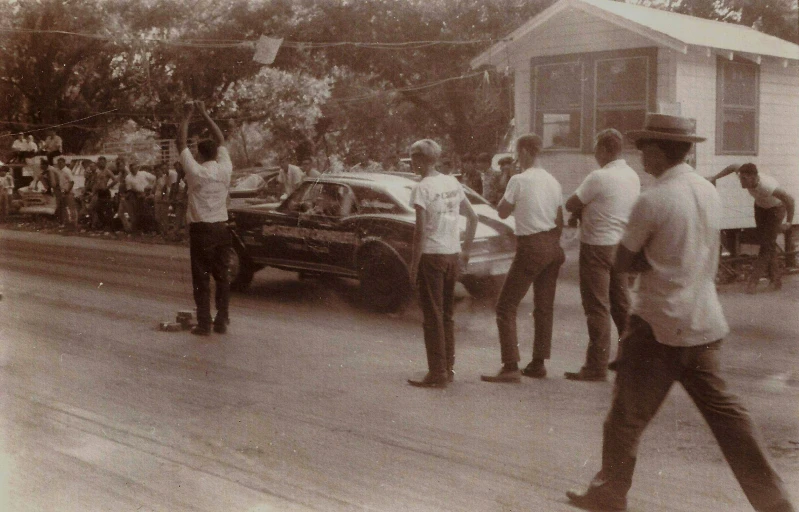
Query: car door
330	237
282	238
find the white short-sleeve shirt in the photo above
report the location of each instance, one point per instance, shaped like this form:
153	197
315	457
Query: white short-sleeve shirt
764	192
608	195
440	196
676	224
536	196
208	185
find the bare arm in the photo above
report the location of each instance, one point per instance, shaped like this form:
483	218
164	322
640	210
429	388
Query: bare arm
574	205
416	254
219	137
183	130
504	209
730	169
471	229
788	201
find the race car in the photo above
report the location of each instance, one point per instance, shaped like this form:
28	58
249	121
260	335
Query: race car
359	225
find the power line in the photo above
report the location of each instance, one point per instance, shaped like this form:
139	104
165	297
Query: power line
246	43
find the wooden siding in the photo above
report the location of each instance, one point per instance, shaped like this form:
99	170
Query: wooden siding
778	153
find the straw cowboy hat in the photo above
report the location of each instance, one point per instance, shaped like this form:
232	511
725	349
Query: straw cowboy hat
665	127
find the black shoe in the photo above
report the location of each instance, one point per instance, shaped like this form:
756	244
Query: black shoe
430	381
535	370
597	500
220	328
505	375
201	330
587	375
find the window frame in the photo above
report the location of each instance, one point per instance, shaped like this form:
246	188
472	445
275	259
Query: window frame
721	108
588	107
564	111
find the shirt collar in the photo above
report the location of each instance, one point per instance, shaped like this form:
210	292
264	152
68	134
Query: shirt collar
615	163
672	172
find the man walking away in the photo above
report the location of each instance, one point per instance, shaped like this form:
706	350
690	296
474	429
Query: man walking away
676	325
603	202
437	257
209	239
535	199
773	205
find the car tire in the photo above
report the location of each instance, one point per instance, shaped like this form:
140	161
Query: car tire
486	287
240	271
384	282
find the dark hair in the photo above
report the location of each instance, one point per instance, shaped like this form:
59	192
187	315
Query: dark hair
468	157
505	160
102	158
610	140
675	151
5	168
748	168
483	158
207	148
530	143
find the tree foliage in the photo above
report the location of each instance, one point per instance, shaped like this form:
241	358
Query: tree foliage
357	88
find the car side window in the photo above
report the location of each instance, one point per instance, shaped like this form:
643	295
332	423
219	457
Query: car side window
332	200
301	199
374	201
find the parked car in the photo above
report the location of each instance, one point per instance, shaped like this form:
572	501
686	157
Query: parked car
358	225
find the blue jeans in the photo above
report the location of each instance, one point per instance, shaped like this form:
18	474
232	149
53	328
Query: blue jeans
209	250
604	294
436	280
537	263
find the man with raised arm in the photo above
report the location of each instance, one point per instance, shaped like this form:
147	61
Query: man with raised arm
208	180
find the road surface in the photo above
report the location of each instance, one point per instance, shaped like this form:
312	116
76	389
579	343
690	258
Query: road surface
303	405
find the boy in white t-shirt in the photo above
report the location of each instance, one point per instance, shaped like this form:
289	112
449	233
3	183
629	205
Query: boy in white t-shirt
437	257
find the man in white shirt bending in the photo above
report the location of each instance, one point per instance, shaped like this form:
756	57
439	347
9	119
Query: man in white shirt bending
437	257
603	202
773	205
536	200
208	180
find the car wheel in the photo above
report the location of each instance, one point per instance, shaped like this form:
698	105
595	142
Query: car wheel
486	287
240	271
384	281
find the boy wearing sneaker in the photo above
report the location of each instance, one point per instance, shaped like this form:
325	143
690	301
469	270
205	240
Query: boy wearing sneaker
437	257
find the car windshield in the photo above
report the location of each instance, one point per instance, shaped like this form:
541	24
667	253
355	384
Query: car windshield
251	182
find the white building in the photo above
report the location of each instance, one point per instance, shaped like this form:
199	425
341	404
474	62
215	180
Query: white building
584	65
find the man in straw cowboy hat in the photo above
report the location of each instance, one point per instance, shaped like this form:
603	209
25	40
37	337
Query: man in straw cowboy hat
676	325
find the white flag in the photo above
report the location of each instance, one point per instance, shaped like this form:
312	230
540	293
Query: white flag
266	49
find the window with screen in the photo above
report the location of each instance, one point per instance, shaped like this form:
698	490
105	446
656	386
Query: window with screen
558	94
622	93
737	100
575	96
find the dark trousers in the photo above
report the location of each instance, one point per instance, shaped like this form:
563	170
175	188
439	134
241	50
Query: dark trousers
537	263
604	294
768	222
209	248
436	280
646	371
